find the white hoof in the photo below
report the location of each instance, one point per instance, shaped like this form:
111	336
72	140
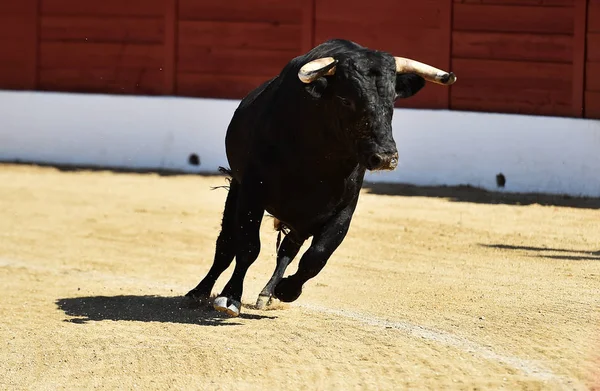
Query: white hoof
263	301
233	309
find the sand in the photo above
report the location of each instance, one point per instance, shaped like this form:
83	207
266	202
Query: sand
432	289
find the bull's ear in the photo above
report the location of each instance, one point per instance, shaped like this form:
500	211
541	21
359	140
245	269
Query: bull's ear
408	84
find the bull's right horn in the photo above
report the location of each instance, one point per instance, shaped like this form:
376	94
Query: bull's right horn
315	69
427	72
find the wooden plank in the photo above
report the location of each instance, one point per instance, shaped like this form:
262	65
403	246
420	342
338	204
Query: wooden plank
18	53
513	75
592	104
421	44
103	80
243	62
504	18
17	27
511	46
404	15
551	3
70	55
593	47
34	45
103	8
240	35
18	40
102	29
579	46
446	9
170	47
217	85
12	8
308	24
278	11
527	104
512	87
594	16
15	78
592	76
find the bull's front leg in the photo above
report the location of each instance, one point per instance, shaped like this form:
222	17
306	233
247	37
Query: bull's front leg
288	250
323	245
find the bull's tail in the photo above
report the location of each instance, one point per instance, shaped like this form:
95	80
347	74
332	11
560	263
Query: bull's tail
228	175
278	225
225	171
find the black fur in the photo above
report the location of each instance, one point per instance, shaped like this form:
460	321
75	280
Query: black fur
300	153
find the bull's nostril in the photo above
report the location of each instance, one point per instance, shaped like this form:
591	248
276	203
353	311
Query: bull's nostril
375	161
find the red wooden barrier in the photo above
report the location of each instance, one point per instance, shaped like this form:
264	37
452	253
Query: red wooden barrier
516	56
592	85
417	29
18	40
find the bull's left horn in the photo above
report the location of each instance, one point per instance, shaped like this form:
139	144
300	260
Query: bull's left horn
429	73
315	69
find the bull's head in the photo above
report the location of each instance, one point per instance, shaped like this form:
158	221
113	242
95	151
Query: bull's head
363	91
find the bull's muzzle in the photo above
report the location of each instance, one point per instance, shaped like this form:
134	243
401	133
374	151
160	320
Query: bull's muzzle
382	161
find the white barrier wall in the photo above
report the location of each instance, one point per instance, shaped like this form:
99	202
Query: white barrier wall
535	154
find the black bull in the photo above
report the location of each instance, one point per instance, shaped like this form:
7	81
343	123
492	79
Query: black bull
298	147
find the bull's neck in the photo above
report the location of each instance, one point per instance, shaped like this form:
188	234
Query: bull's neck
317	135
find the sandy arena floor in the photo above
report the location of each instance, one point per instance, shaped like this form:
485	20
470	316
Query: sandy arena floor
456	290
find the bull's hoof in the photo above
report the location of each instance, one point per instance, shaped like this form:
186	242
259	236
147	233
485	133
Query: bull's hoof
190	300
229	306
263	301
287	291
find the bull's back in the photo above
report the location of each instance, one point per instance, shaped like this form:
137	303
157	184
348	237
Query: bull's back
241	132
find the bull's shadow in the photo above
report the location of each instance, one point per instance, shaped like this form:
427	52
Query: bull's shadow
480	196
542	252
145	309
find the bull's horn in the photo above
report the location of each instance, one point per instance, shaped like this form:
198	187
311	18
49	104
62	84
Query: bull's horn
311	71
429	73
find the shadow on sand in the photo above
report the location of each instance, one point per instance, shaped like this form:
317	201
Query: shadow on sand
568	255
480	196
145	309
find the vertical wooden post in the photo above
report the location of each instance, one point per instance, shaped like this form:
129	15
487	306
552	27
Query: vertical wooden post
446	12
309	9
37	43
170	45
579	43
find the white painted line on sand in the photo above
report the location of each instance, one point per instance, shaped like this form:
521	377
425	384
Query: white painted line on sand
527	367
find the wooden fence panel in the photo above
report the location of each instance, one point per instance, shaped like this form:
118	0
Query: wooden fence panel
109	46
517	57
592	85
418	29
18	39
224	49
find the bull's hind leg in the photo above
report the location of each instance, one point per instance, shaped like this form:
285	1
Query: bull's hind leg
224	252
288	250
249	215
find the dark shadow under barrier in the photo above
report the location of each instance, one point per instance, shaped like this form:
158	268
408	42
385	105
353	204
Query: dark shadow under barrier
463	193
480	196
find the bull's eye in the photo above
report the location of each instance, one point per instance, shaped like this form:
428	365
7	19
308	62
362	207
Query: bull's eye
346	102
